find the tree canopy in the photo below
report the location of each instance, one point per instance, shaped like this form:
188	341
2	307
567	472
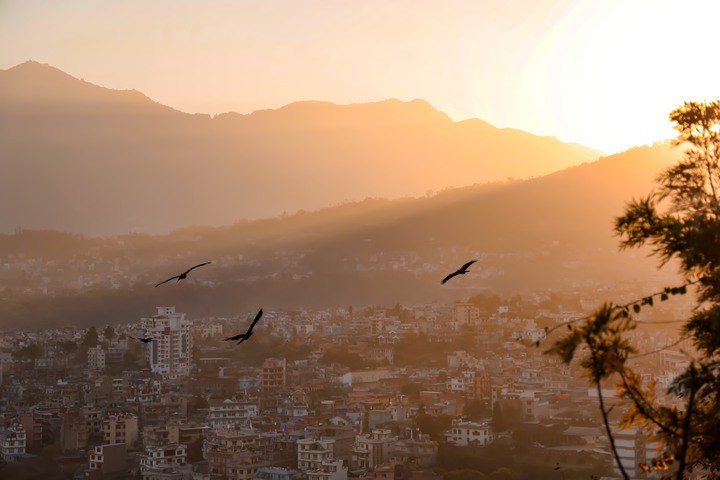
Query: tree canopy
680	220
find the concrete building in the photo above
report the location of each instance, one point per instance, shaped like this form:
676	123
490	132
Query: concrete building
96	358
328	470
108	458
169	353
273	374
466	433
277	473
74	431
312	453
384	471
465	314
12	443
226	413
160	456
373	449
121	428
631	447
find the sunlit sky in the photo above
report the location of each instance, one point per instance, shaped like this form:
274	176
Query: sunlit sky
603	73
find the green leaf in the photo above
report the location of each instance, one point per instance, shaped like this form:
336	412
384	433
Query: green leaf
636	308
663	297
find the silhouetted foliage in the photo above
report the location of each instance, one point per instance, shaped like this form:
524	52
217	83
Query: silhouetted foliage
340	355
109	332
476	409
29	352
506	414
487	303
680	220
433	425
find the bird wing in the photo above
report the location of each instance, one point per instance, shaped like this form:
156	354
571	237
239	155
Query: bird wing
448	277
234	337
257	317
176	276
196	266
464	267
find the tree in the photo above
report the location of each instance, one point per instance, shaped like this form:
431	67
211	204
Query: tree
89	340
411	389
433	425
29	352
476	409
68	347
109	333
680	221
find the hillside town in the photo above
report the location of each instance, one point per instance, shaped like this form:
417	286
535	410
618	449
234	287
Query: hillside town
407	393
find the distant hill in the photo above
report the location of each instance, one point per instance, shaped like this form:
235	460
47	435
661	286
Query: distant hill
82	158
553	232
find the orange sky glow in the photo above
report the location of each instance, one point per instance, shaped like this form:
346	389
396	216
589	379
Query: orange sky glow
601	73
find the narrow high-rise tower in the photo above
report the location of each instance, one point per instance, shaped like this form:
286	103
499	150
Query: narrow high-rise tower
169	352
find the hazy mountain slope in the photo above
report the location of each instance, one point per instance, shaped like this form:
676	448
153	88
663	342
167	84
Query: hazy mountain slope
529	236
78	157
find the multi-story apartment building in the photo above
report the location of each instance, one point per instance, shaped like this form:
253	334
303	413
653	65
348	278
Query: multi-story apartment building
465	313
12	443
121	428
465	433
108	458
312	453
223	414
169	352
273	374
96	358
158	456
373	449
74	431
328	470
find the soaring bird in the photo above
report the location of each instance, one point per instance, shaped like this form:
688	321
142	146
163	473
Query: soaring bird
145	339
246	336
182	275
460	271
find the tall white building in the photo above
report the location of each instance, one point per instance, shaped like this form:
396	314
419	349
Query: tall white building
169	352
96	358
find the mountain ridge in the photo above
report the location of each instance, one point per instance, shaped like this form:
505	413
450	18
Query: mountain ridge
100	161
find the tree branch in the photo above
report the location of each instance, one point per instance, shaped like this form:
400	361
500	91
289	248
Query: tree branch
686	424
596	375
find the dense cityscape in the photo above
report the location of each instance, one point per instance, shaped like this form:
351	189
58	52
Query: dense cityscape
415	392
377	240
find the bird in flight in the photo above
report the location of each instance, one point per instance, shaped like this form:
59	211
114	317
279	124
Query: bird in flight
182	275
145	339
460	271
246	336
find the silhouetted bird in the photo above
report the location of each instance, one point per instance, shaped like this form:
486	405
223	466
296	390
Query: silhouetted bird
246	336
144	340
182	275
461	271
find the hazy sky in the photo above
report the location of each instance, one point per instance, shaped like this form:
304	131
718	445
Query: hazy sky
604	73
